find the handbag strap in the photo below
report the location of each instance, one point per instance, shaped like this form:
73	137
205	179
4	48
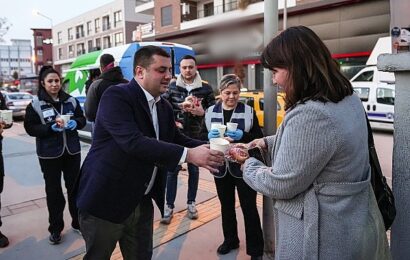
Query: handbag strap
374	160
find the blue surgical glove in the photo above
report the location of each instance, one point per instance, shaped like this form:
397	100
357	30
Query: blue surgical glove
235	135
214	133
71	124
55	128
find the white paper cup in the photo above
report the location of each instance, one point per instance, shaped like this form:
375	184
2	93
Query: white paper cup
231	127
215	125
221	129
6	116
65	118
219	144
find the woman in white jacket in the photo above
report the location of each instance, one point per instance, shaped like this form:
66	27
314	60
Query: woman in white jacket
319	180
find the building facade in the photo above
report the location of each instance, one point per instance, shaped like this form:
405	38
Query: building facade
107	26
219	30
43	48
15	59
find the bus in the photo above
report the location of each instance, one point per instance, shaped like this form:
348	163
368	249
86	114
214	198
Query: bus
78	73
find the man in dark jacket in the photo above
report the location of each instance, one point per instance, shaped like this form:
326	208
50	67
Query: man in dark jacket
110	75
190	120
136	142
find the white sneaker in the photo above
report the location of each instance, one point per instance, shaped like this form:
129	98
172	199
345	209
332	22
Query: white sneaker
192	212
168	214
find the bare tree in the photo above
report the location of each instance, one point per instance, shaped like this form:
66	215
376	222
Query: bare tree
4	27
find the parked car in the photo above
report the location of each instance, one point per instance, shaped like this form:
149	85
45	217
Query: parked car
17	102
255	99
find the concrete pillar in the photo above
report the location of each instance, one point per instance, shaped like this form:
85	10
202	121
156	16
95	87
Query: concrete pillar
400	231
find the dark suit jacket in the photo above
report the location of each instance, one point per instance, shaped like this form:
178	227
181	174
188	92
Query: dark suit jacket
117	170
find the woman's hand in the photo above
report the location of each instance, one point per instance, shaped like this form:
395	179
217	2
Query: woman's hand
235	135
258	142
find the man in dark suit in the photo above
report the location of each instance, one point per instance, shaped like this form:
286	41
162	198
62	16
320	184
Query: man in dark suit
135	143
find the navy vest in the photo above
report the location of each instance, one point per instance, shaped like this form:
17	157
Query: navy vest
243	116
54	145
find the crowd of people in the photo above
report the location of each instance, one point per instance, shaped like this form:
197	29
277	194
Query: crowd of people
317	173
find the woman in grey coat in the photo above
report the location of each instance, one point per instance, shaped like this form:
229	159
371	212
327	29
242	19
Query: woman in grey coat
319	181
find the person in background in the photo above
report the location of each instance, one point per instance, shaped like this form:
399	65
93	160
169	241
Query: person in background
319	178
58	146
135	143
110	75
190	120
229	176
4	241
93	75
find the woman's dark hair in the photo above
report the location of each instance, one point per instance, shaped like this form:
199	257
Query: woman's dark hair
313	74
44	71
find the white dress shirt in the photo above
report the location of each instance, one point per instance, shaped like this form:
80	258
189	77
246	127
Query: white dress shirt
152	103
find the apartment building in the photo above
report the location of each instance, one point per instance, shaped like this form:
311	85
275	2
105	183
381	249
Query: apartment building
104	27
220	29
43	48
15	58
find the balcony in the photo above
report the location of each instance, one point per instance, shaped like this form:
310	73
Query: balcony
106	26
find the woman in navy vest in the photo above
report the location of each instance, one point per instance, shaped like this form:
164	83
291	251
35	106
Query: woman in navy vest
230	175
58	146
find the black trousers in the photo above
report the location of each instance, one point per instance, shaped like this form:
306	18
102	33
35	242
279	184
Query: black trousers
225	188
69	166
134	234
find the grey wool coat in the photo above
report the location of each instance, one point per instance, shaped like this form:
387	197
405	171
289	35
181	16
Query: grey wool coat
319	182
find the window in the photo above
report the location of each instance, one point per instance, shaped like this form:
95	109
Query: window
117	18
70	34
106	42
365	76
39	56
60	53
90	46
106	23
70	51
118	39
247	100
39	40
98	44
385	96
97	25
79	31
209	9
59	37
89	27
166	15
80	49
363	93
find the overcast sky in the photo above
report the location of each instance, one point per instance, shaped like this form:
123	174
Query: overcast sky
19	14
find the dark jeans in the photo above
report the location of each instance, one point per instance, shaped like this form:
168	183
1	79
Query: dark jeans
225	188
134	234
172	183
69	165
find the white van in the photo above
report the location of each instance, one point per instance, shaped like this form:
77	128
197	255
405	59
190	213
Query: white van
376	88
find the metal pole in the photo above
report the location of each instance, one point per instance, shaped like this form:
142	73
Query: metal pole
285	15
270	93
399	63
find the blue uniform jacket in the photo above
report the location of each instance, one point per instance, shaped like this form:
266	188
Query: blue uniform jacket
120	163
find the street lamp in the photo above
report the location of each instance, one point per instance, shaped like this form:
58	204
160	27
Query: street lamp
37	13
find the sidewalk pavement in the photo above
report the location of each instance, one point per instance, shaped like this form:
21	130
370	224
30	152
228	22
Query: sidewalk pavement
184	239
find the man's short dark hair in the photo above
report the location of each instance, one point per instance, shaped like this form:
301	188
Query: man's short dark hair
106	59
143	57
188	57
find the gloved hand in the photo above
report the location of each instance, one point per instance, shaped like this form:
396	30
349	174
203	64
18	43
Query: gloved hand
235	135
214	133
72	124
55	128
